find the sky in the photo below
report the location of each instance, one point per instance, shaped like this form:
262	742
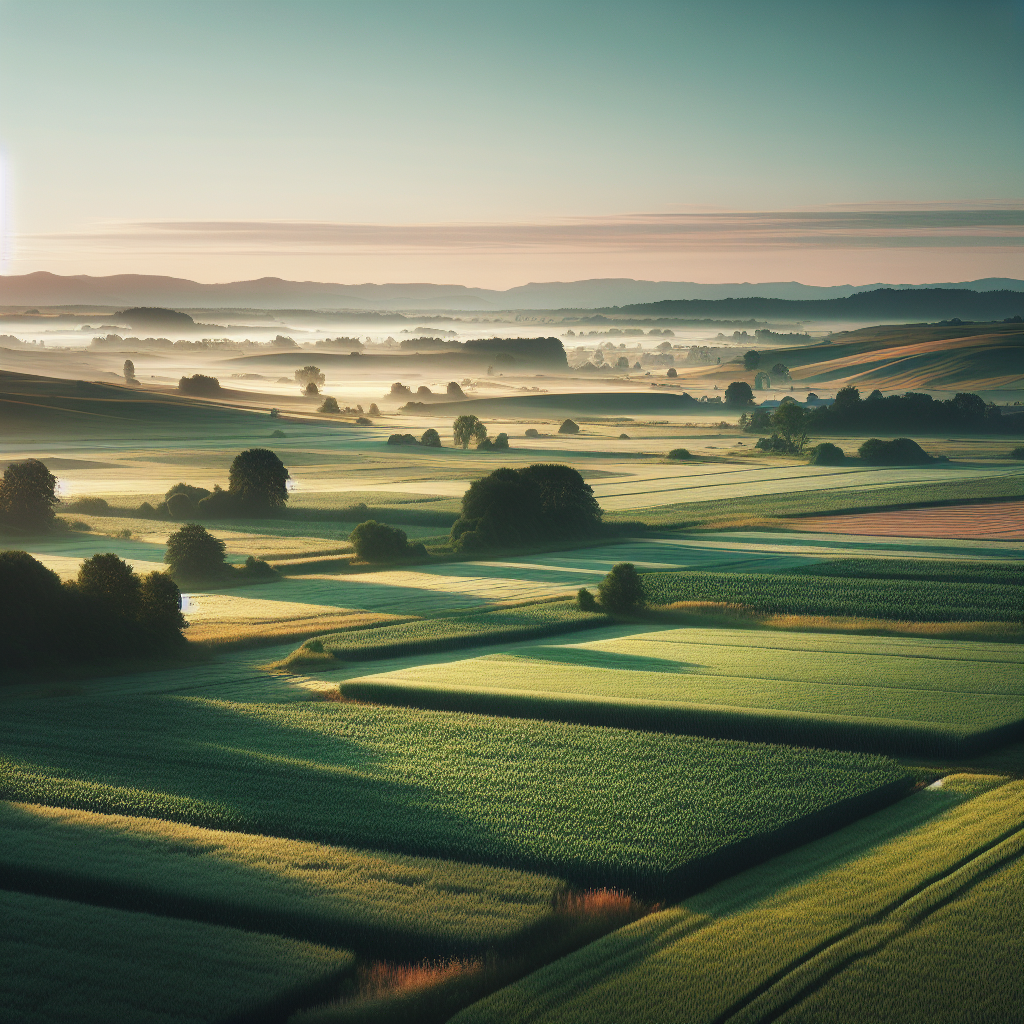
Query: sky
493	143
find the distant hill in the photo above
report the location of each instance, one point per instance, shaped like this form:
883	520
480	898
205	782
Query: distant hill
881	305
120	290
630	403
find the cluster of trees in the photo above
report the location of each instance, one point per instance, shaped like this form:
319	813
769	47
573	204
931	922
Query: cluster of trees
537	503
378	542
194	555
430	438
108	611
199	385
257	488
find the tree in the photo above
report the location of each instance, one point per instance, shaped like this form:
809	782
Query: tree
31	600
780	370
900	451
329	405
789	419
200	385
846	399
454	390
431	438
311	390
110	581
738	393
27	496
671	372
373	410
310	374
622	591
378	542
258	481
569	427
468	428
585	600
182	506
194	554
751	360
128	370
622	363
159	610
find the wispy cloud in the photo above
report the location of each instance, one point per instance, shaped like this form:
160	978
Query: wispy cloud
880	226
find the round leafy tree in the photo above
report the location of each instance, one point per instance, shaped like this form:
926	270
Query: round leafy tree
751	360
621	591
329	404
431	438
378	542
111	581
31	597
27	496
468	428
193	553
569	427
738	393
680	453
159	609
311	390
258	481
900	451
671	372
586	601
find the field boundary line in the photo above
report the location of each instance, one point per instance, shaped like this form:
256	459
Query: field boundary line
793	983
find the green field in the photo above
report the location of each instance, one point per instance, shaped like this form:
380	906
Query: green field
383	904
905	600
750	948
427	636
1002	574
66	961
896	695
593	806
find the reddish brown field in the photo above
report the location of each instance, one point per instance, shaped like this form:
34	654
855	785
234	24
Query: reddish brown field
1001	521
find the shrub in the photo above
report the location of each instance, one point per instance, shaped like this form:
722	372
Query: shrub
329	405
258	569
431	438
219	504
274	413
181	507
751	360
671	372
621	590
568	427
676	453
402	439
827	454
90	506
454	390
258	481
27	496
399	390
194	554
900	451
278	433
373	410
311	390
146	511
378	542
466	429
777	445
534	432
195	493
200	385
625	437
1017	453
586	601
362	421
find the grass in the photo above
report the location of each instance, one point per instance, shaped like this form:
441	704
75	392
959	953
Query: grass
378	904
597	807
723	512
896	695
988	573
742	950
428	636
811	593
67	961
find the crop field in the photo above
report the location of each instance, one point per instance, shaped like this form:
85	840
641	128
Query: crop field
760	944
385	904
998	521
882	693
804	594
68	961
446	785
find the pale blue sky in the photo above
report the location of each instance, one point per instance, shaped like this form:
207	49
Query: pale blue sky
118	120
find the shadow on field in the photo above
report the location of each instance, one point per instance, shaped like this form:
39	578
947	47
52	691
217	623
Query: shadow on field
588	657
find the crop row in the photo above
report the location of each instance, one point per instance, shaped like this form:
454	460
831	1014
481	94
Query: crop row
382	904
902	600
940	570
67	961
605	807
746	949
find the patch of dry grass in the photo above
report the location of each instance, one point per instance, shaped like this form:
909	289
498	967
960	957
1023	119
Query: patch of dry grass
237	634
